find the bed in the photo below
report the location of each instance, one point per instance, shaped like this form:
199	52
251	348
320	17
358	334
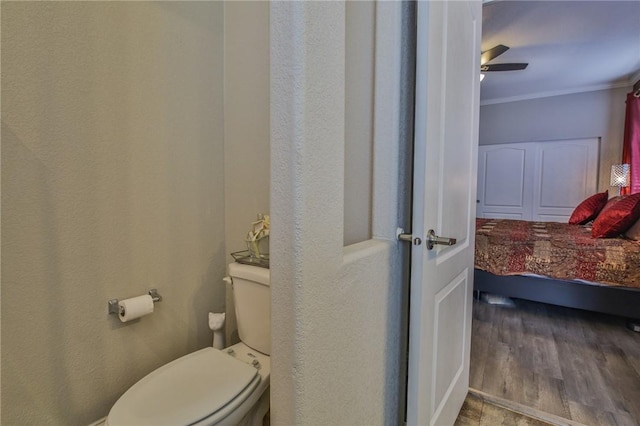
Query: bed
559	264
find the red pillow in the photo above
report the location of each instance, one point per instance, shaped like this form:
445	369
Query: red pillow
611	202
589	208
616	219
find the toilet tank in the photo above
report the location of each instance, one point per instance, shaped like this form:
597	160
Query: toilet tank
252	298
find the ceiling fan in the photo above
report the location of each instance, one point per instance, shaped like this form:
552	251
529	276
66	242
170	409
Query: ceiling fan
494	52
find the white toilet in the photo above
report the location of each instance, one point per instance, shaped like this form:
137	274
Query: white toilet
211	386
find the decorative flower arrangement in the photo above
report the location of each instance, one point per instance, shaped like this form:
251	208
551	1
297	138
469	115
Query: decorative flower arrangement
258	237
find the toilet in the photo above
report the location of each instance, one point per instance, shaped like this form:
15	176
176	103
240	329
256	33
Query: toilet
212	386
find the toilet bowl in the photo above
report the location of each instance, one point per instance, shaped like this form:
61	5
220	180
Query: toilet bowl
207	387
211	386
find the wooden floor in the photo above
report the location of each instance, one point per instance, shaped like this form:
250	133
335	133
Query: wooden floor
574	364
477	411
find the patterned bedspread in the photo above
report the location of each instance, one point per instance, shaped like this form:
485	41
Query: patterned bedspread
555	250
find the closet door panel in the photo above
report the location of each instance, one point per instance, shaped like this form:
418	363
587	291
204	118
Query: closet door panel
566	174
503	179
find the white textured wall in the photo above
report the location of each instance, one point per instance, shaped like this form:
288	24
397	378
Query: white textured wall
112	183
335	312
246	126
575	116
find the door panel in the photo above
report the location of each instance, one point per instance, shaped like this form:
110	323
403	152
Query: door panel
566	173
503	176
449	352
504	184
445	174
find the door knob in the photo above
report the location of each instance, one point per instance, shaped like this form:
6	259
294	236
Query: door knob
433	239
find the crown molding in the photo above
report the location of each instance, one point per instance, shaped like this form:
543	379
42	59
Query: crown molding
555	93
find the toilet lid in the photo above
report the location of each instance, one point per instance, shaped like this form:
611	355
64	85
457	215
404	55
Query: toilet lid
186	390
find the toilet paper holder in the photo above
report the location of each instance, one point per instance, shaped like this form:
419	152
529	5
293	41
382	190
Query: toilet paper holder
115	309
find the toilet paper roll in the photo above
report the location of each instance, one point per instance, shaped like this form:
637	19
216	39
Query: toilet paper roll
135	307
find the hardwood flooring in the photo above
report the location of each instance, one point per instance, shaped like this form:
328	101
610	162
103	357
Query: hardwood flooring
475	412
574	364
479	410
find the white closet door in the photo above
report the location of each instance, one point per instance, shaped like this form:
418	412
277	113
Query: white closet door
505	176
542	181
566	174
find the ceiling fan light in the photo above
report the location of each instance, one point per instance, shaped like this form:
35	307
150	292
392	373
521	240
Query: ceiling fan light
481	76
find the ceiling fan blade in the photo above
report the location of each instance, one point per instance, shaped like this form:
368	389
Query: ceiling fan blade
503	67
492	53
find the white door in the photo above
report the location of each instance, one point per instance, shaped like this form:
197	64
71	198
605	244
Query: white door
505	177
566	173
447	105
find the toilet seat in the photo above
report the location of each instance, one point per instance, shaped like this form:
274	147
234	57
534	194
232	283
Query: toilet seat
207	384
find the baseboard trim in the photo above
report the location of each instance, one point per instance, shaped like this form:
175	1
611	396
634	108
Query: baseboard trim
523	409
